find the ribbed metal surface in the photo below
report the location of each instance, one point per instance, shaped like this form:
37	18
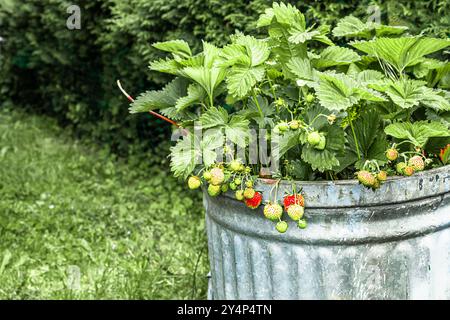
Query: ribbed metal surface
393	243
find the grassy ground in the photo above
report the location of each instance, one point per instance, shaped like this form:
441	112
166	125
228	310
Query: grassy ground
75	223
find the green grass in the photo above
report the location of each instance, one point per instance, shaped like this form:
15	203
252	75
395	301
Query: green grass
131	230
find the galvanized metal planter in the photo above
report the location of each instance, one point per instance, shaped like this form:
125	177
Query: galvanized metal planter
393	243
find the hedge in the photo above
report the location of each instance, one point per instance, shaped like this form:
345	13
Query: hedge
71	74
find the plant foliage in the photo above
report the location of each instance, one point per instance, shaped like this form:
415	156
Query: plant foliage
328	105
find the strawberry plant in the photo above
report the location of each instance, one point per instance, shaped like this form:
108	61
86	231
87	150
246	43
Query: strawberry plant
373	107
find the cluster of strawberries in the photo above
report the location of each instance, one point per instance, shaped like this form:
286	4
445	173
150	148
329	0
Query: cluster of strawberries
372	179
407	167
236	177
294	205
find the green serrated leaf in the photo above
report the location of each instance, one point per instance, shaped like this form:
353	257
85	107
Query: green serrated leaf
418	132
159	99
174	114
212	144
301	36
335	91
435	99
208	78
257	50
372	142
336	56
166	65
405	93
351	26
241	80
369	76
195	94
302	69
235	127
384	30
184	156
422	69
177	47
289	15
401	52
286	141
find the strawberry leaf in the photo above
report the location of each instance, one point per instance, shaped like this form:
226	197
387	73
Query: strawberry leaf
159	99
418	132
235	128
335	56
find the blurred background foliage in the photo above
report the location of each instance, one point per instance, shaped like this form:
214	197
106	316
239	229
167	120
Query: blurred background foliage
71	74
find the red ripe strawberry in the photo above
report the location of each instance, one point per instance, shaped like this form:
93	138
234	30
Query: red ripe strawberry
444	154
293	199
255	201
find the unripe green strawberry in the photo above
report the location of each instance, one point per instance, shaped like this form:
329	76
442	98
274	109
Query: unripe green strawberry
400	166
417	163
408	171
217	176
273	211
248	169
283	126
377	184
237	181
295	212
309	98
366	178
392	154
194	182
207	175
280	102
241	167
322	143
235	165
294	124
282	226
233	186
239	195
213	190
302	224
382	176
313	138
249	184
224	188
249	193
